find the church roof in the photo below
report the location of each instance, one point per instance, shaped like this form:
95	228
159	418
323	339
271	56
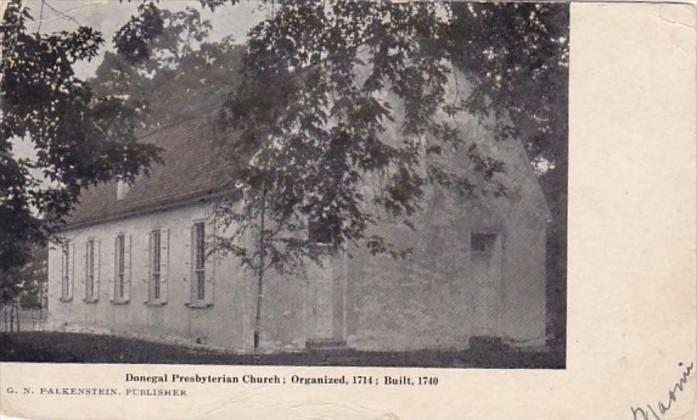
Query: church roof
192	170
197	167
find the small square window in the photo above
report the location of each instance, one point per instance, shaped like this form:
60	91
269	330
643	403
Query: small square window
483	242
319	232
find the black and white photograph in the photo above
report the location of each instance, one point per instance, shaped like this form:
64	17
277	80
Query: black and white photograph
304	183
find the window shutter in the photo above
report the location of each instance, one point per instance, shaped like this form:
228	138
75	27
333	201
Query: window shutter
63	272
71	269
188	267
164	263
97	267
146	268
127	268
210	261
83	278
111	278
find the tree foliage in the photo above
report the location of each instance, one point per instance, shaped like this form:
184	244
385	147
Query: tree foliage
323	81
80	138
324	84
316	91
154	86
28	280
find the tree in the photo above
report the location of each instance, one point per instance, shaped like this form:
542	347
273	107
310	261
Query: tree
322	82
522	73
85	132
319	86
80	138
156	84
28	281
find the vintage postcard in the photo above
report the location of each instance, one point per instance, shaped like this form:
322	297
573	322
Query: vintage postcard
348	210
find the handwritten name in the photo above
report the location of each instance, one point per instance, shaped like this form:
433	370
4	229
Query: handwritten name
640	413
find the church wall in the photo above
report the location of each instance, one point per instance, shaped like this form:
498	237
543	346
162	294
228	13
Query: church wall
227	323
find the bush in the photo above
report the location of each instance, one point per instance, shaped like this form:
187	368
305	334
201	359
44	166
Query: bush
29	301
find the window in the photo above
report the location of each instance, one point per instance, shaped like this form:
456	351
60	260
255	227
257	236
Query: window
199	244
155	264
201	266
65	271
320	232
483	242
122	189
120	265
120	288
89	270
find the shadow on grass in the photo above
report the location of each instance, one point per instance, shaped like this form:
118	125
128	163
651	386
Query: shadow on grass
56	347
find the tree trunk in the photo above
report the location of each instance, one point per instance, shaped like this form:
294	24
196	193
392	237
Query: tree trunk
260	274
41	305
12	317
17	313
13	308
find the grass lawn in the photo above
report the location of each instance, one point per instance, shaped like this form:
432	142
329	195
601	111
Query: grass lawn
90	348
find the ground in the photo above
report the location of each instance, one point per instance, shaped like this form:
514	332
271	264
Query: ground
89	348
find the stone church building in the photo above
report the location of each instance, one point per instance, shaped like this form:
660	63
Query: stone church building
133	262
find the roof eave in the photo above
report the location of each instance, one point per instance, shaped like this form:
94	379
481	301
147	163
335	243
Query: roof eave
183	202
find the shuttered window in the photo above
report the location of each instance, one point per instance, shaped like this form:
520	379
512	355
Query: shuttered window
199	243
65	272
120	287
89	270
201	265
155	263
120	267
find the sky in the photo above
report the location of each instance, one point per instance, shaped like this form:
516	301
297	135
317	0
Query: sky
109	15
